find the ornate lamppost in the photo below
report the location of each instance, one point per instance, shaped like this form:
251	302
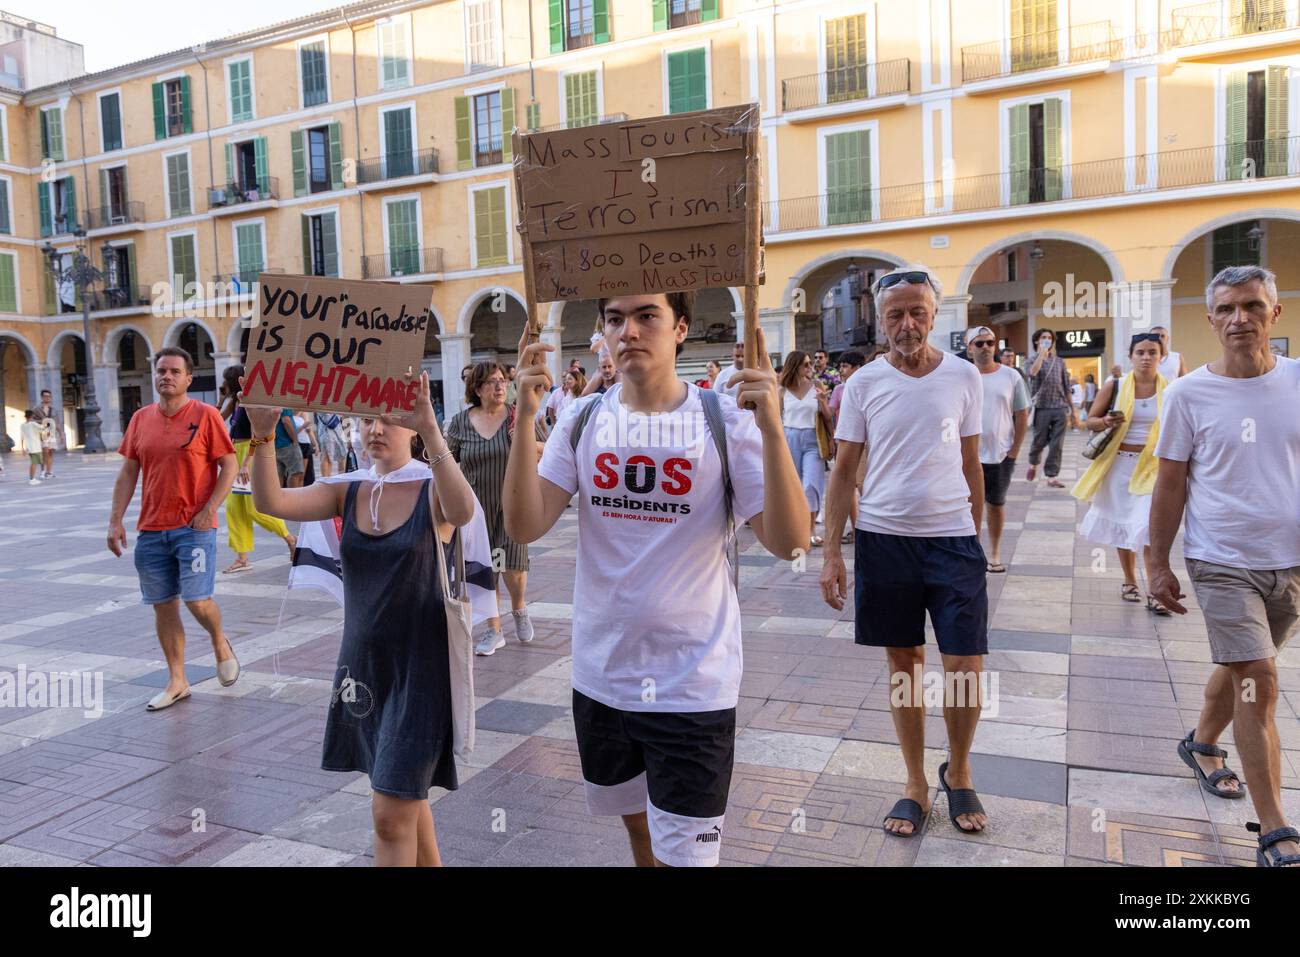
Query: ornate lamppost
83	275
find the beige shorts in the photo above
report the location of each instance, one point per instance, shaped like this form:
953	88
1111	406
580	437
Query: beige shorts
1249	615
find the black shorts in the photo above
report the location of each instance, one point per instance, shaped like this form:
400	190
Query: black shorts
997	479
898	578
675	766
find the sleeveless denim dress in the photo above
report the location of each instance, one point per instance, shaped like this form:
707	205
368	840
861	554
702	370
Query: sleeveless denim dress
390	708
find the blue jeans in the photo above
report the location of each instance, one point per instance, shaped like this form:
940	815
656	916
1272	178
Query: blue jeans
810	465
176	563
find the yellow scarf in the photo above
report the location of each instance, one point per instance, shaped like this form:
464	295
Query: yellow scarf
1144	476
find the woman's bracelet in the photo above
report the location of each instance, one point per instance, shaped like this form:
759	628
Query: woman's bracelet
440	457
262	440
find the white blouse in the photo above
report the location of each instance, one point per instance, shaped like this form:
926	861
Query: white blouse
800	413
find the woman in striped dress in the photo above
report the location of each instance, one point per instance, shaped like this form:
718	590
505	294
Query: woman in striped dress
479	438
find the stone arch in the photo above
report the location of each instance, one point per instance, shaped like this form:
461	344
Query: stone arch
29	351
472	301
54	357
1176	250
114	336
801	275
974	262
173	334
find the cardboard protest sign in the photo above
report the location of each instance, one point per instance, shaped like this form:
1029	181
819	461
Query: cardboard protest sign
333	345
653	205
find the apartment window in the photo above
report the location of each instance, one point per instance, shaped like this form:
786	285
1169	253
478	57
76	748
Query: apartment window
481	34
5	224
119	276
317	159
248	251
240	75
315	84
684	12
1231	246
320	255
112	184
241	167
846	58
483	125
487	129
110	122
403	237
581	102
848	177
178	185
579	24
399	155
8	282
688	86
185	270
1257	122
1257	16
1034	37
58	206
52	133
394	53
491	237
1037	152
171	108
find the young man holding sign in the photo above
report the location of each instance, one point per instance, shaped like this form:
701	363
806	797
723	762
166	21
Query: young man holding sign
656	627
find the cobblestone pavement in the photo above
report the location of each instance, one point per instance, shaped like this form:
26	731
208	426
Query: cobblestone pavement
1078	766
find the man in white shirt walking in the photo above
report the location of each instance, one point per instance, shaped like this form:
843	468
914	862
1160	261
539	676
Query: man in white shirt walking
1172	364
916	415
656	621
1003	426
1229	452
729	374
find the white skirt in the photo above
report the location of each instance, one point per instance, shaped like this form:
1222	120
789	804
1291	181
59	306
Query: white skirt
1117	517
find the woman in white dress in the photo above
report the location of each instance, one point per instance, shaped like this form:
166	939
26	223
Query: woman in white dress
803	400
1120	480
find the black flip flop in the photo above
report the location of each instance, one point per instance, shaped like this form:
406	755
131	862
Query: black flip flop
960	801
1210	782
1274	857
905	810
995	568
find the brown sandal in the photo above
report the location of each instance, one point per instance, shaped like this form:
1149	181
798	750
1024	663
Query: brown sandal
1130	593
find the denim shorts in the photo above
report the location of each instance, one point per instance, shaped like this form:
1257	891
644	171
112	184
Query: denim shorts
177	563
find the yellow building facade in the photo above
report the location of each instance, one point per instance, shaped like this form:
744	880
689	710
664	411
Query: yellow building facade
1080	167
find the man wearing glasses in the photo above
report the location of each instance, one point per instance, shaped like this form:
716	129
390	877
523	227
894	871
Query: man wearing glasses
1005	419
916	415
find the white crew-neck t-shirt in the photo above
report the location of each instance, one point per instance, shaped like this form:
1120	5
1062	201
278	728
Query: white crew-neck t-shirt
656	620
912	429
1168	366
1241	440
1004	395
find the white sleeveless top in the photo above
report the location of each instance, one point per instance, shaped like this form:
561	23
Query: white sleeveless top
800	413
1169	366
1139	427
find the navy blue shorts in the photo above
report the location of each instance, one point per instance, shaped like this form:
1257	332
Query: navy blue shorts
898	578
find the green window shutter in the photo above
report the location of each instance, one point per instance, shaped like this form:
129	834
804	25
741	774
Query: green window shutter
230	164
5	224
1053	148
1275	121
676	82
708	10
533	112
45	137
260	164
580	99
336	155
848	177
184	267
70	203
1236	123
507	124
687	81
131	275
403	238
105	199
490	227
8	284
249	251
159	112
329	240
56	141
555	10
4	156
178	185
298	150
600	19
47	215
399	158
464	148
305	222
659	14
1019	152
241	91
49	300
186	125
110	120
393	61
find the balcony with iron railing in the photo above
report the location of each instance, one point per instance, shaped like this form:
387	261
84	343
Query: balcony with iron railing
402	262
118	214
120	296
245	276
397	166
1206	22
1099	179
863	81
243	193
1084	43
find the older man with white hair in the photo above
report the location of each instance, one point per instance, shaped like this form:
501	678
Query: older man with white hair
1229	451
916	415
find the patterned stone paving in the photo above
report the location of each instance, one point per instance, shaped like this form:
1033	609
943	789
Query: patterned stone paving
1077	767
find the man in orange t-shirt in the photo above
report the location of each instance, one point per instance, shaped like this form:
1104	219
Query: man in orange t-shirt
179	444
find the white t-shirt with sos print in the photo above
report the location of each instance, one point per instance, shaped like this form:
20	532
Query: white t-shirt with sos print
912	429
656	620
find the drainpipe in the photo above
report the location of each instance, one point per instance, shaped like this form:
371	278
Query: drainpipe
207	129
356	122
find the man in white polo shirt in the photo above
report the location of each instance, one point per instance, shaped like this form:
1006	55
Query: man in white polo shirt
916	415
1005	420
1229	452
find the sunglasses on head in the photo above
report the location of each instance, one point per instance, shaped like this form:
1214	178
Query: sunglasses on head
915	278
1143	337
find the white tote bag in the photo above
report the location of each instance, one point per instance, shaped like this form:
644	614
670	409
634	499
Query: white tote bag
460	650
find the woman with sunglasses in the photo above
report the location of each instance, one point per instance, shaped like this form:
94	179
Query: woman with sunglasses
1120	480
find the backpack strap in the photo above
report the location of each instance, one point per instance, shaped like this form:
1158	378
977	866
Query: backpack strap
718	430
575	434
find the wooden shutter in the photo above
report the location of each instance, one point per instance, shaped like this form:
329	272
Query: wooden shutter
130	280
1018	150
305	222
159	112
708	10
260	167
1053	149
329	243
555	11
507	124
297	150
186	124
6	225
70	203
105	198
697	80
600	20
336	155
848	177
47	214
659	13
230	165
8	284
1275	121
490	227
533	114
464	144
1236	123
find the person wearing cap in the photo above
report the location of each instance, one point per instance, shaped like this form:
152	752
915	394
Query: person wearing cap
1004	421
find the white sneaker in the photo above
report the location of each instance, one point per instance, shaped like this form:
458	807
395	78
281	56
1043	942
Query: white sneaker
523	626
33	481
492	640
